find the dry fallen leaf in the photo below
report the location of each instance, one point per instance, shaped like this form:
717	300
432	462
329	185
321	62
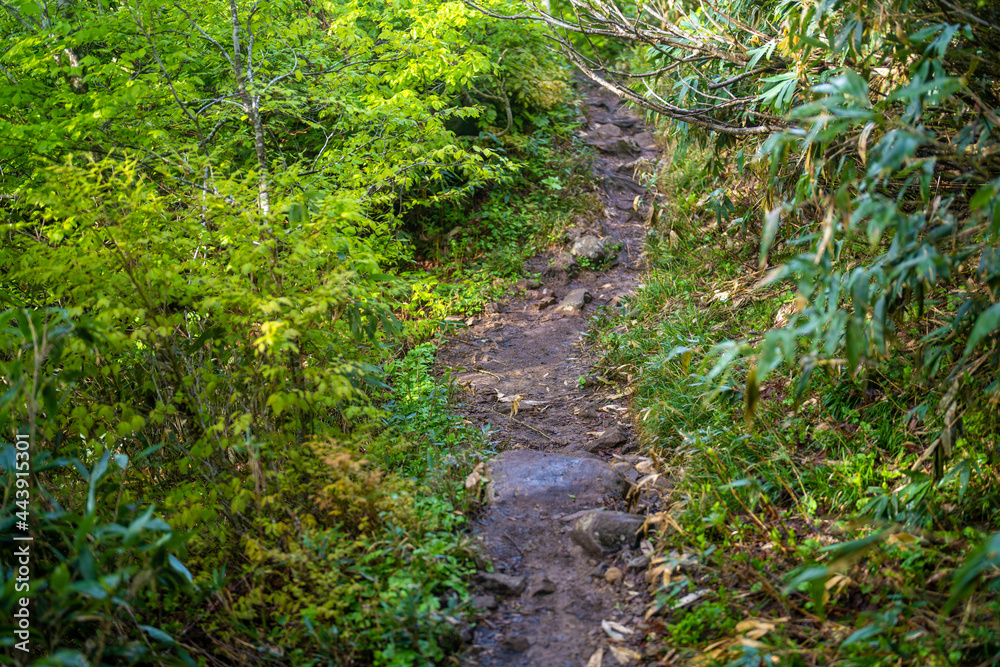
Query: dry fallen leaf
714	653
475	477
754	628
716	649
648	480
784	314
624	655
691	597
514	404
616	631
902	539
664	518
665	570
628	392
645	467
516	401
596	659
836	584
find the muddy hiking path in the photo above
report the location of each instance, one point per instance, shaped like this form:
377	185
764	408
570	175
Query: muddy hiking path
560	525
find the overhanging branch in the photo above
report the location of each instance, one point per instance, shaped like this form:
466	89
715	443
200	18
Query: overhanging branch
648	27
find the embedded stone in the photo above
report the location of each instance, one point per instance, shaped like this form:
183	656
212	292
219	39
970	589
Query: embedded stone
548	477
575	301
602	532
645	139
612	437
609	131
555	275
544	302
502	584
589	247
565	260
545	586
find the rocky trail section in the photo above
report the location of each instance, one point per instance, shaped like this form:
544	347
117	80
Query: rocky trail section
563	524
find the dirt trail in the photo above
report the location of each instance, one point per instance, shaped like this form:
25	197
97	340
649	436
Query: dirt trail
564	576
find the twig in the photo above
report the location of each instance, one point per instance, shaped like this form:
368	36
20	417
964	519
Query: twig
518	421
738	78
970	16
514	544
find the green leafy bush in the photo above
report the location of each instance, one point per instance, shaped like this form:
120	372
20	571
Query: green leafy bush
201	208
853	182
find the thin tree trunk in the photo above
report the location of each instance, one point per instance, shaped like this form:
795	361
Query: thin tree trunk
251	106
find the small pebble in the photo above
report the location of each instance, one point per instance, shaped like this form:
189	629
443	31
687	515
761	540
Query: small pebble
545	587
638	563
613	576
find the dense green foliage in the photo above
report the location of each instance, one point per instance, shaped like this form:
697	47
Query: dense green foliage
852	190
872	129
210	298
211	213
759	507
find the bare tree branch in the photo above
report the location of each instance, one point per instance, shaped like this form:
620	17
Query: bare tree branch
649	27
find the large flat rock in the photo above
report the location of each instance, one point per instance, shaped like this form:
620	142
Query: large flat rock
522	474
